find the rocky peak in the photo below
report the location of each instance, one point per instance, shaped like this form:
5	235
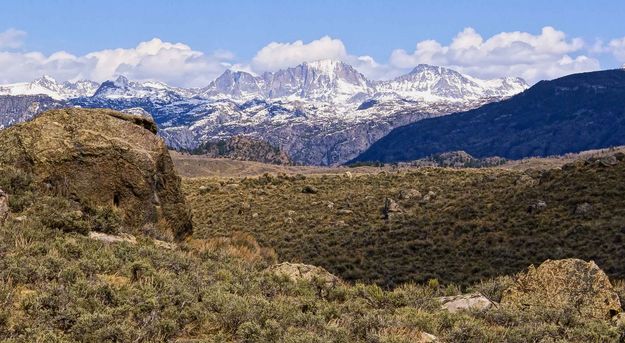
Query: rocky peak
46	81
434	83
325	80
237	84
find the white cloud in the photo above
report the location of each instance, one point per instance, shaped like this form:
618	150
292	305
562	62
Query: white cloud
617	48
276	56
12	38
543	56
173	63
546	55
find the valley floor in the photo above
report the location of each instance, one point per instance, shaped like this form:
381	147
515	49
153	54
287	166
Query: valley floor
395	225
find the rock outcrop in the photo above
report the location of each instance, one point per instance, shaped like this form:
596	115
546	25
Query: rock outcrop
390	207
102	158
565	284
472	301
299	271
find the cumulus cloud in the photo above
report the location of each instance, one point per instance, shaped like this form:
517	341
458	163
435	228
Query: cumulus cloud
12	38
173	63
617	48
546	55
543	56
276	55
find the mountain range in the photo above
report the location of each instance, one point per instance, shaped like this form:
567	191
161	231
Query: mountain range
322	113
570	114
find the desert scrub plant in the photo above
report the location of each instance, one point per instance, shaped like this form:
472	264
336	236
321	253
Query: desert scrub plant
60	214
476	216
104	219
493	288
66	287
14	180
239	245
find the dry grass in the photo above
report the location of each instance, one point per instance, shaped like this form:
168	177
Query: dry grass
200	166
477	223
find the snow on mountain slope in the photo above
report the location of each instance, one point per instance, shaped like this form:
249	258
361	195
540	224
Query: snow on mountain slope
46	85
325	80
339	83
122	88
323	112
432	83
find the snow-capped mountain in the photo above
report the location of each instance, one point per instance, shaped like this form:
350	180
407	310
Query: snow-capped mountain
432	84
339	83
325	80
46	85
323	112
122	88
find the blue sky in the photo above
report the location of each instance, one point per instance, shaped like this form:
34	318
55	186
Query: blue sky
232	33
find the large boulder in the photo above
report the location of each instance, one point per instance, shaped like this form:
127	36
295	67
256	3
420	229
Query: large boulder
102	158
565	284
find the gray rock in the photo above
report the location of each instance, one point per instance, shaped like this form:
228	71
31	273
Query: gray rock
304	272
406	194
583	209
609	161
472	301
428	197
390	206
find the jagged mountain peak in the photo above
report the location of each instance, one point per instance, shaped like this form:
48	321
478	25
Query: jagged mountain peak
45	79
435	83
123	88
328	66
47	85
121	81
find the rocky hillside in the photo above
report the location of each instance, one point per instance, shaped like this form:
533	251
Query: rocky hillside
243	148
17	109
455	225
574	113
88	264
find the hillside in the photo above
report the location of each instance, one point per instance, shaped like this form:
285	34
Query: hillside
244	149
570	114
456	225
85	206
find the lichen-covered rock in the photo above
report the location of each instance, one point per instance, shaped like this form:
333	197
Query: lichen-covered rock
562	284
406	194
390	206
299	271
472	301
102	158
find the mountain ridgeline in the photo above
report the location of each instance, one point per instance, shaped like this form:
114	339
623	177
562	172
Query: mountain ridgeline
570	114
319	113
